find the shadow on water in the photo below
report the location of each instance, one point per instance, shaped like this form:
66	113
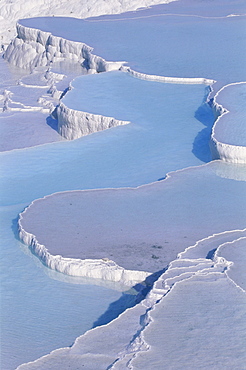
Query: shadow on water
210	255
201	149
128	299
53	123
14	228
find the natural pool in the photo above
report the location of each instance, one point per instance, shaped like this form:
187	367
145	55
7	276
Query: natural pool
36	302
40	171
126	156
42	310
163	43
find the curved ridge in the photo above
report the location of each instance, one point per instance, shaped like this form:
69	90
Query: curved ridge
173	80
104	269
108	269
220	150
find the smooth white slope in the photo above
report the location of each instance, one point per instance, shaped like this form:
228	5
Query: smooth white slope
199	325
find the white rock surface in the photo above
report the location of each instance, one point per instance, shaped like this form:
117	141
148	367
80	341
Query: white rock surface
73	124
230	124
174	80
32	48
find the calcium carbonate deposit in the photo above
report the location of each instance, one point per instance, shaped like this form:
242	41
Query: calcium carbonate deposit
123	184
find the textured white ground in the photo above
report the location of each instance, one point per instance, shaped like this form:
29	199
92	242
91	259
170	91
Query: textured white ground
26	101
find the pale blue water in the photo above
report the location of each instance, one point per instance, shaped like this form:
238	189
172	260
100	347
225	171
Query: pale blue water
35	306
129	155
41	313
167	45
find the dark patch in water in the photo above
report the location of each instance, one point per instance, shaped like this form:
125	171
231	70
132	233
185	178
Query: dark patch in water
210	254
201	148
53	123
128	300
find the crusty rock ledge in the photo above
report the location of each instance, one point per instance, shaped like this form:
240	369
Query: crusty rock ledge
73	124
103	269
224	151
32	48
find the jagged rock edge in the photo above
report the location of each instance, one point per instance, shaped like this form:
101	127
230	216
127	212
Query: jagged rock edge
104	269
156	295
